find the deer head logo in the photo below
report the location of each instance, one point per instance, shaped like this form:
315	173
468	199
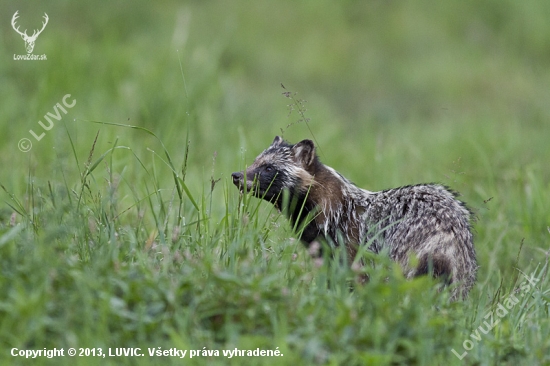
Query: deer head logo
29	40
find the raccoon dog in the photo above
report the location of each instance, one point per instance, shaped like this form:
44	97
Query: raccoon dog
424	220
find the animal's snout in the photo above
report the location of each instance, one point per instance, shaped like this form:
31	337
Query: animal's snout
237	178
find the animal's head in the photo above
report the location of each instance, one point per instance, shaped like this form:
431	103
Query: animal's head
281	166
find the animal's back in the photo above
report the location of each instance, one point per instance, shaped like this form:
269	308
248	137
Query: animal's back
428	221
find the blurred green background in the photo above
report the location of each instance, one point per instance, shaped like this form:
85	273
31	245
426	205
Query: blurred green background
396	92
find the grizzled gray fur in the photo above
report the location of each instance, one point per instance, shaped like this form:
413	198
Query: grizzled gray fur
425	220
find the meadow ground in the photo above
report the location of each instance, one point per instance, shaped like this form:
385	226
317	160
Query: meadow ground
117	237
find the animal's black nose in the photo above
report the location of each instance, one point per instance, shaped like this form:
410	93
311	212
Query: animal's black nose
237	176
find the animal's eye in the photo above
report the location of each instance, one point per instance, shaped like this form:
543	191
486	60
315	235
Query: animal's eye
268	169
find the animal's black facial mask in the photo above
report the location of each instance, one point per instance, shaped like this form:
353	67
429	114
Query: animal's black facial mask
280	166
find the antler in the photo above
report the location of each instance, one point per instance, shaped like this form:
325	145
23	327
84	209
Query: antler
24	34
43	26
15	16
29	41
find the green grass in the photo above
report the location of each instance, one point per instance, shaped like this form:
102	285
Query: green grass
121	228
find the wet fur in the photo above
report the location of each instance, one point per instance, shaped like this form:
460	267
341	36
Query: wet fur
426	220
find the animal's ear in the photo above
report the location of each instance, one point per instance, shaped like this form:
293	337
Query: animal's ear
304	151
277	141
